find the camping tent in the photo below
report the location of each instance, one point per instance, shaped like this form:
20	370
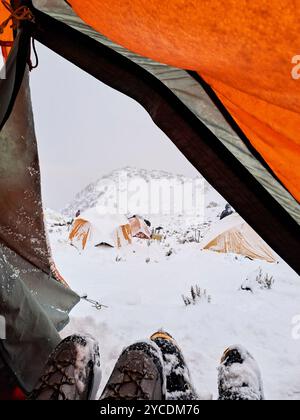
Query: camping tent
139	228
93	228
219	78
234	235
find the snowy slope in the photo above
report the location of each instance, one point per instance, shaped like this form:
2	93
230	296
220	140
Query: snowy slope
142	286
53	217
54	220
143	297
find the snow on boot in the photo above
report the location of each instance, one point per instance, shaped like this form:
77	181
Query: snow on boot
72	372
138	375
239	376
178	379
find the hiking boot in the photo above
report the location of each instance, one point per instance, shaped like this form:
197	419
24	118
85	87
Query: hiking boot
138	375
239	376
178	379
72	372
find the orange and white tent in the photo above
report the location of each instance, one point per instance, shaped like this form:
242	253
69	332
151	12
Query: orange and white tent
93	229
234	235
139	228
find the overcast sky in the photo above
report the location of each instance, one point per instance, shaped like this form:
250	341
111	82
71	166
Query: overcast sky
85	129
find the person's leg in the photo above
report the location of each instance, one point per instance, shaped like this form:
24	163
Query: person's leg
178	378
138	375
239	376
72	372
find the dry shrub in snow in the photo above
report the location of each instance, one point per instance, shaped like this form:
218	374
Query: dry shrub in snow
169	252
258	280
197	295
264	280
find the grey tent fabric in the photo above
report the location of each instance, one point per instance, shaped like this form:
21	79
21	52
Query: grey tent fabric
21	218
33	302
192	95
30	335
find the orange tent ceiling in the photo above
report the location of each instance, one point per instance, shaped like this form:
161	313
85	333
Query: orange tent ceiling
243	49
7	35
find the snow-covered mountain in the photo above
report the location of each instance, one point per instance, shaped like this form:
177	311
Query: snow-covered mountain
135	186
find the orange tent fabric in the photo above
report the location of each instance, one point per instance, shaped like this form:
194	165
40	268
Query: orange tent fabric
244	50
123	236
81	231
7	36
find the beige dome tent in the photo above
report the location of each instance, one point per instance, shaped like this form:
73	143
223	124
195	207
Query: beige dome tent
234	235
93	228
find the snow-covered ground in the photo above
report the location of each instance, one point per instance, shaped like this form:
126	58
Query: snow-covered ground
143	284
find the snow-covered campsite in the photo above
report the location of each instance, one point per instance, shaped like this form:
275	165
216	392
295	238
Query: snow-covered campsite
146	286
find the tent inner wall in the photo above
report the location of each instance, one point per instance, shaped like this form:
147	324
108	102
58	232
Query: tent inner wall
33	303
